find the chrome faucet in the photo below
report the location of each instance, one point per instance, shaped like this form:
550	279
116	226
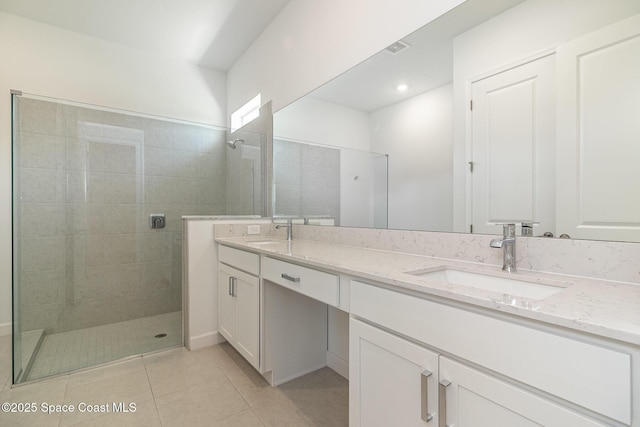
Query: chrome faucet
289	226
508	245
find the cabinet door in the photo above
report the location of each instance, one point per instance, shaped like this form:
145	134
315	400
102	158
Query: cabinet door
393	382
246	292
238	311
227	310
473	398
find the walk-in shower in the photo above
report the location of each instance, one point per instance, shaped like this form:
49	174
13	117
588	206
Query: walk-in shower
95	276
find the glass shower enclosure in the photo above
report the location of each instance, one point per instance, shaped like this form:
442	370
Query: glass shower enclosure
328	185
98	197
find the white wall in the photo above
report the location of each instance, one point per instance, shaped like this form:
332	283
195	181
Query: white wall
321	122
420	163
417	134
201	277
510	38
48	61
311	42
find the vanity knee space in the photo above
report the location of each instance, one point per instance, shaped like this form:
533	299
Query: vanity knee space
293	319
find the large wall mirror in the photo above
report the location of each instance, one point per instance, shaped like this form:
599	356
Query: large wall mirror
500	111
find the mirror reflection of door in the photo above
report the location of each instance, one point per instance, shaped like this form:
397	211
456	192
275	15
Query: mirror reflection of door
512	148
599	124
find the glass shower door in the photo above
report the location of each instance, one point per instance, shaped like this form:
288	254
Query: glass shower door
17	363
93	282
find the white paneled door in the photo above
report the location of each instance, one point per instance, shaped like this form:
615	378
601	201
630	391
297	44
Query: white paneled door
513	143
598	163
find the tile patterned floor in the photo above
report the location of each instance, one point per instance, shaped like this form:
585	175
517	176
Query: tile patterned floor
73	350
214	386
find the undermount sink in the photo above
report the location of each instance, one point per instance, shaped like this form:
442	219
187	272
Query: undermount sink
266	242
270	243
502	285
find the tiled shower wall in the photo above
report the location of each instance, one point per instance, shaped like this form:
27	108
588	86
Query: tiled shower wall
306	179
88	181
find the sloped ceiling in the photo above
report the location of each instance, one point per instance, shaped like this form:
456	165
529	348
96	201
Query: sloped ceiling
208	33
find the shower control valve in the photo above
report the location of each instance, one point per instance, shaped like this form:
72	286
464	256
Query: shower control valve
157	221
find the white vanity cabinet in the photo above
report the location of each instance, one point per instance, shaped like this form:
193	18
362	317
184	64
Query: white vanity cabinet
401	383
471	398
392	382
415	359
239	301
516	373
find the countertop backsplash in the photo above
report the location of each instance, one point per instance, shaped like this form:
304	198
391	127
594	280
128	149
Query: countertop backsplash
617	261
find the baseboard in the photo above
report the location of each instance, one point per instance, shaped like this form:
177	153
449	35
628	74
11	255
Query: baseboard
5	329
339	365
204	340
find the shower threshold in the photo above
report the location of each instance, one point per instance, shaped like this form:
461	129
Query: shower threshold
83	348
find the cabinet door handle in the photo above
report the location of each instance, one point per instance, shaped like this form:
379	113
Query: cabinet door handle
424	396
232	286
290	278
442	402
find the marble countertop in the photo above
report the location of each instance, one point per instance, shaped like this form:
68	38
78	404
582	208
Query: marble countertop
604	308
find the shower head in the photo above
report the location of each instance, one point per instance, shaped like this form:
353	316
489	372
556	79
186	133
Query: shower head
233	143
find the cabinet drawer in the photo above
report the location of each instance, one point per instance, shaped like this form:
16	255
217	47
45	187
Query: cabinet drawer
242	260
589	375
316	284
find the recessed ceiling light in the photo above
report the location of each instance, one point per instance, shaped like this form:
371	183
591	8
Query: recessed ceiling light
402	87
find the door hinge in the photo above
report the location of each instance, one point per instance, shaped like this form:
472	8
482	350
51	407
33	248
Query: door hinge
471	167
471	228
471	105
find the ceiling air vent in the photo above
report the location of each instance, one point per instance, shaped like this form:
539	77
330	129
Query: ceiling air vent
397	47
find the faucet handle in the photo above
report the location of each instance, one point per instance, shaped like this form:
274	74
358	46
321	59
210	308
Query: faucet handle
508	229
527	227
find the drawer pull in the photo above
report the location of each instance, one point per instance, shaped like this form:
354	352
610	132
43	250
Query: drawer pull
290	278
424	397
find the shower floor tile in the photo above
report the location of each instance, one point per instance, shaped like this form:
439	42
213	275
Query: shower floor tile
69	351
